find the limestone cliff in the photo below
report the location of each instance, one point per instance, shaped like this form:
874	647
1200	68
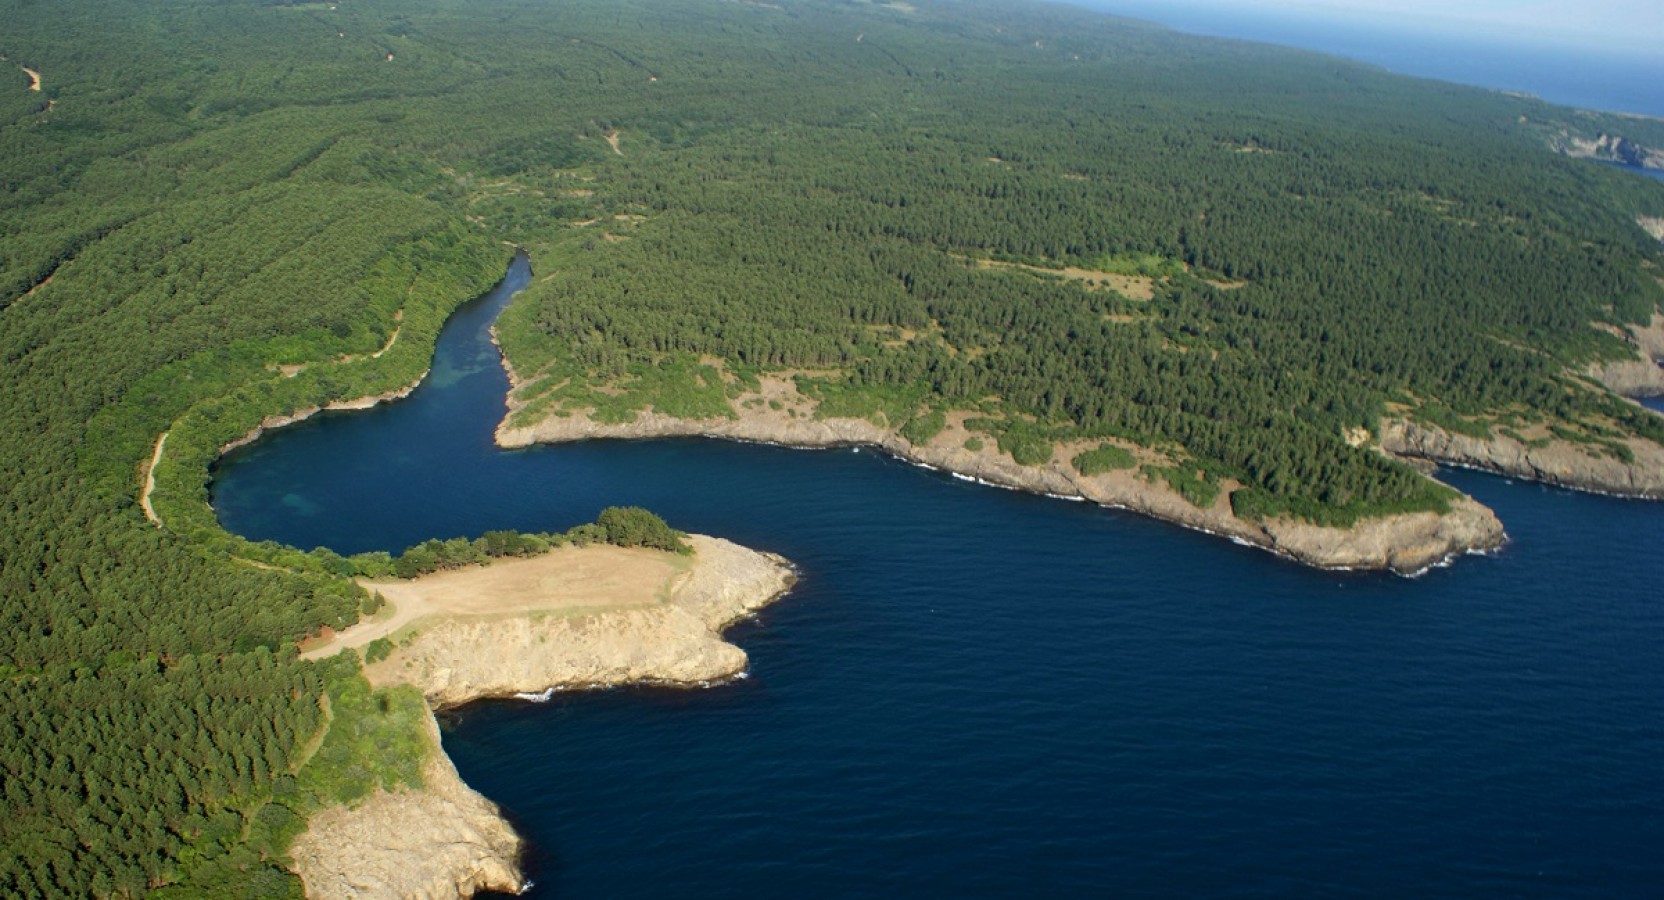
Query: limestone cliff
1607	148
441	842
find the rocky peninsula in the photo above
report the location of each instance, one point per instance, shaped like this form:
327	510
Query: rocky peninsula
572	618
591	633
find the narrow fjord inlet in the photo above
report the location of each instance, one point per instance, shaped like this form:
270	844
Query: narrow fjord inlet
985	693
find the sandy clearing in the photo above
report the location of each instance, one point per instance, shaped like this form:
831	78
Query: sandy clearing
150	482
567	580
34	77
612	141
1133	287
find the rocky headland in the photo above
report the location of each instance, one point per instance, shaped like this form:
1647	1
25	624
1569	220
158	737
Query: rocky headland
444	841
674	640
440	842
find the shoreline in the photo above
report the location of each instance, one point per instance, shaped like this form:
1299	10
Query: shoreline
272	423
1407	544
1560	463
528	640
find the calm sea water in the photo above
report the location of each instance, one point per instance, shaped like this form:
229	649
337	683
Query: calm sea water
1608	78
975	692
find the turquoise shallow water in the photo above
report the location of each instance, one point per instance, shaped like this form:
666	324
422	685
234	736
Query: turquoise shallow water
976	692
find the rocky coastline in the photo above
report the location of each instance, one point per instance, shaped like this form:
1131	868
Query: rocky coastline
1559	462
1406	544
272	423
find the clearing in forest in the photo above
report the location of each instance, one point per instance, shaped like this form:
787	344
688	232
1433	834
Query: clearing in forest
1133	287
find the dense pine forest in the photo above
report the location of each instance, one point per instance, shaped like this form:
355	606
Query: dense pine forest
1075	226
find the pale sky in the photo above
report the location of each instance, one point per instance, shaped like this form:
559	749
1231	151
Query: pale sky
1630	24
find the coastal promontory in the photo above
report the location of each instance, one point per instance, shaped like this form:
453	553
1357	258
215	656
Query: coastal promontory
571	618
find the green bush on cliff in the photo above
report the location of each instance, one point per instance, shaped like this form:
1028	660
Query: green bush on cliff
1106	458
632	526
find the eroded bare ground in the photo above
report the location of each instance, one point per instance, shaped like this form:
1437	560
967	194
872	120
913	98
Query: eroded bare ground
566	580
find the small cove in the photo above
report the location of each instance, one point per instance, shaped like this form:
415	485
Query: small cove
985	693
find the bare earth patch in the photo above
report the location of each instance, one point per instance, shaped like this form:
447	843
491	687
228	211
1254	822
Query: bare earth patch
34	77
563	581
1651	225
1133	287
150	481
612	141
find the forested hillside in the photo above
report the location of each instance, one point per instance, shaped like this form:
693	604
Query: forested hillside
213	212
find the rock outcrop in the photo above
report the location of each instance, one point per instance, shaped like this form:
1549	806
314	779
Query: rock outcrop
1608	148
441	842
1641	376
1558	462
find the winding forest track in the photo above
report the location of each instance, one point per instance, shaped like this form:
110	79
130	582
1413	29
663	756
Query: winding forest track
150	481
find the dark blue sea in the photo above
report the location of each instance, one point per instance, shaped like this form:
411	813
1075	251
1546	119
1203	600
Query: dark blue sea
979	693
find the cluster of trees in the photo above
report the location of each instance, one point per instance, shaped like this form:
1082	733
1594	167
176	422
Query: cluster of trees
205	196
622	526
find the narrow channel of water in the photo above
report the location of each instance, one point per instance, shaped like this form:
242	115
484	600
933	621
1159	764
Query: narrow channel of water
975	692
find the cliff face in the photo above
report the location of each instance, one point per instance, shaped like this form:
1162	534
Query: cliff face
1561	462
1608	148
1641	376
1404	543
442	842
677	641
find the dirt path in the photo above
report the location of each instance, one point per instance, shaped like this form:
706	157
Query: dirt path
391	340
563	581
150	482
317	740
34	77
612	141
293	369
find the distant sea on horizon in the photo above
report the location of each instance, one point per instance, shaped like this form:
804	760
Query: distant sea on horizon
1587	79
